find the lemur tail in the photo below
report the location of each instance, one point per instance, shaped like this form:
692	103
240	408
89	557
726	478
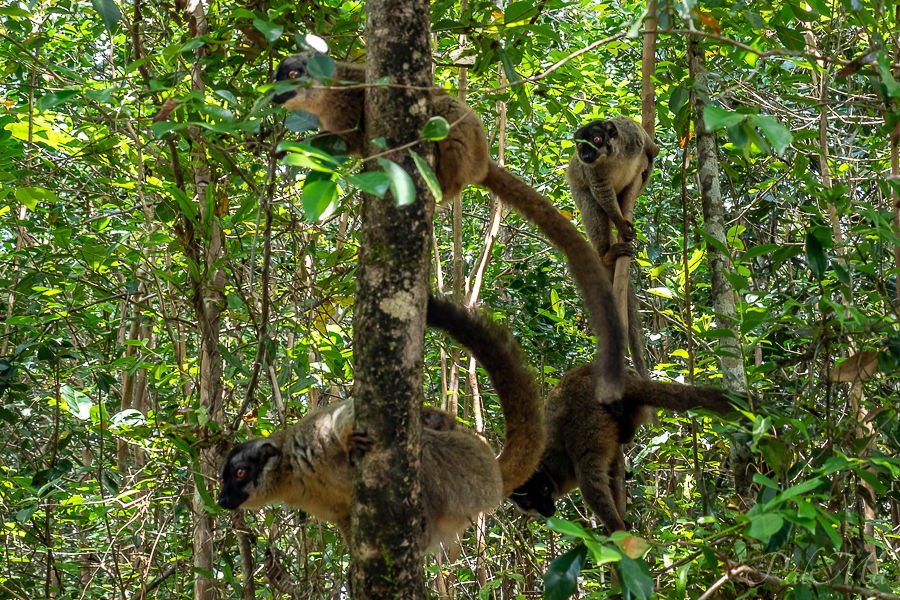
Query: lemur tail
495	348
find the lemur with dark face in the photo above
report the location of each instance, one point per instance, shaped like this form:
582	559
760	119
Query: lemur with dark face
612	158
462	158
309	465
584	439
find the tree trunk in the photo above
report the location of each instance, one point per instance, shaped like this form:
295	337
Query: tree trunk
722	292
207	302
389	314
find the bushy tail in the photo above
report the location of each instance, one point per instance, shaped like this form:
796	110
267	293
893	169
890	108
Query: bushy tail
498	352
588	272
679	397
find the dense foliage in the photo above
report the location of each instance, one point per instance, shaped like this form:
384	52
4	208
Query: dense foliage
126	131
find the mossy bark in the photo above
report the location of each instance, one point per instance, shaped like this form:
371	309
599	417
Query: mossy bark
389	313
730	352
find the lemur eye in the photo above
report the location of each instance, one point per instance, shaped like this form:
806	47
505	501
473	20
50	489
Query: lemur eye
580	145
597	140
240	473
293	74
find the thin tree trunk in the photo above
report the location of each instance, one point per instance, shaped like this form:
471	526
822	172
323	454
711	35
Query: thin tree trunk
208	301
389	314
722	292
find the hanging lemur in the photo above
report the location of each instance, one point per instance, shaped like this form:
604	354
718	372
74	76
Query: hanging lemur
463	158
584	439
309	465
610	158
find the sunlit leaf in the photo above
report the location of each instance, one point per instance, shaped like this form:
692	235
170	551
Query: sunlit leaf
436	129
319	198
402	187
428	175
719	118
109	13
77	403
372	182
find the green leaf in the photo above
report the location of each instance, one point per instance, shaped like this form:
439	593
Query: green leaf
270	31
872	479
679	98
884	69
109	13
568	528
8	416
110	482
759	250
755	20
94	254
602	554
635	578
161	128
786	253
200	486
737	282
815	256
519	11
299	121
50	100
778	135
319	198
30	196
402	187
715	333
218	112
561	578
763	527
715	243
227	96
372	182
299	159
78	404
321	67
428	175
780	537
719	118
314	152
801	488
508	67
436	129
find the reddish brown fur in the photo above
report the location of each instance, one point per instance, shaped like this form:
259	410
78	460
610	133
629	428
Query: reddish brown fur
462	159
584	438
308	466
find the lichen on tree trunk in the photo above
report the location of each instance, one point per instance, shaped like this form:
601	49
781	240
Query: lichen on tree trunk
722	291
389	313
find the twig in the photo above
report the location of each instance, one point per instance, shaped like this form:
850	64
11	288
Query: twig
167	572
721	581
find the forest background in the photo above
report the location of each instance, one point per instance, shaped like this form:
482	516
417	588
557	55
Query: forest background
146	212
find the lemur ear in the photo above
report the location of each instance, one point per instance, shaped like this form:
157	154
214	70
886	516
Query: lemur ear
311	41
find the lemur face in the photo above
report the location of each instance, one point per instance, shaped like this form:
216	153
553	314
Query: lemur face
242	474
535	496
593	140
292	68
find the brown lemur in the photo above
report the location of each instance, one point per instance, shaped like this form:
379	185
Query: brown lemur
610	158
584	439
309	465
463	158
